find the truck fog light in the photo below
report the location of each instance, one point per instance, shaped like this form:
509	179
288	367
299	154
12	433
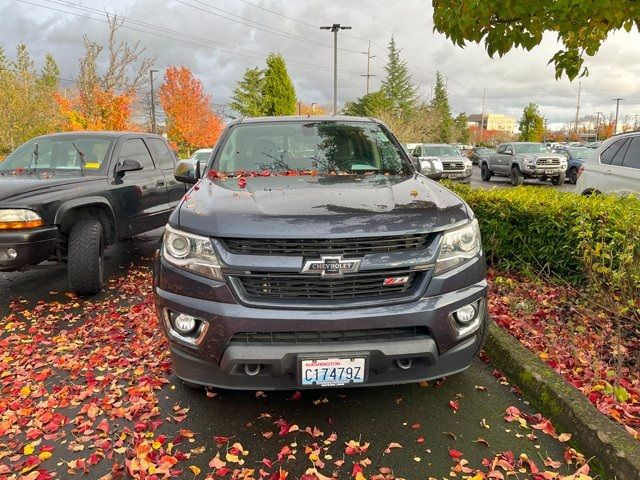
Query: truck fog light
184	324
467	313
12	254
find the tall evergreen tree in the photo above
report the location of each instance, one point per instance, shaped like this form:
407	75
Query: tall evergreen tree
369	105
531	124
247	96
278	92
398	86
442	110
461	128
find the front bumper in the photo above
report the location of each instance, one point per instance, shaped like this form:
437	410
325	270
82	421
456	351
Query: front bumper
32	247
219	362
464	176
541	171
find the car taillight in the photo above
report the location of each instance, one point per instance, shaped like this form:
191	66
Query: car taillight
580	170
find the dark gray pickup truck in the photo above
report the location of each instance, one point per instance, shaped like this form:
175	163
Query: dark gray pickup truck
312	254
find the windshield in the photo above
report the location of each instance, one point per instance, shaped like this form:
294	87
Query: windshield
441	151
581	152
531	148
202	156
58	154
322	147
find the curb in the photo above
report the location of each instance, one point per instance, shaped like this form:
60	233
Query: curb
615	451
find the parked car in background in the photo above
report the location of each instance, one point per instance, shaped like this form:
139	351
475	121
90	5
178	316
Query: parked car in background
613	168
477	152
594	145
521	160
454	165
332	264
64	197
202	155
575	157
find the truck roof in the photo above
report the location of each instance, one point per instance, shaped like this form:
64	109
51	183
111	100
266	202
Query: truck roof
101	133
297	118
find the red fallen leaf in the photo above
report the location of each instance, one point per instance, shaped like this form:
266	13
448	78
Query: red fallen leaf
420	440
526	461
268	434
391	446
297	395
455	453
454	404
268	463
221	440
416	426
549	462
140	427
103	426
242	182
284	452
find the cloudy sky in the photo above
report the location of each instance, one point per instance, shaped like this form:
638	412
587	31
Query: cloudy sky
219	39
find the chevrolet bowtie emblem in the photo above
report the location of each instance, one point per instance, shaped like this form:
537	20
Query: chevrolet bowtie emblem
331	265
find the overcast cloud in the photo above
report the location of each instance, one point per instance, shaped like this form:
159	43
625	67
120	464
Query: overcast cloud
218	50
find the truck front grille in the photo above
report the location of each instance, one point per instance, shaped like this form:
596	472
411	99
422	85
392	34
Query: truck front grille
452	166
333	336
314	247
548	162
272	286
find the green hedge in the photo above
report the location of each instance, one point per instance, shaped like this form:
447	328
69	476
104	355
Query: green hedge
533	229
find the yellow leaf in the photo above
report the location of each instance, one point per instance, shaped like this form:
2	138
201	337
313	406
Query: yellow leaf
232	458
360	476
25	391
156	445
194	469
544	356
28	449
45	455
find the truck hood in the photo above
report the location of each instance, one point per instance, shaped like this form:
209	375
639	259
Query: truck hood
22	187
536	156
317	207
452	158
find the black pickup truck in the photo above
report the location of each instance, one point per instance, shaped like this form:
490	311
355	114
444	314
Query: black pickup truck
64	197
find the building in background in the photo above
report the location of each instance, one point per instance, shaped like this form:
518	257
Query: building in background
494	121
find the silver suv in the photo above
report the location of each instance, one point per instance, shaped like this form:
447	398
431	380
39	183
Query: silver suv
613	168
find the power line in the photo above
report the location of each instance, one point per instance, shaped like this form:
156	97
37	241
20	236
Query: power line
253	24
171	34
281	15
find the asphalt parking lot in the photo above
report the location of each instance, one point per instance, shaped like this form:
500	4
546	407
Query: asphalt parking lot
504	182
414	431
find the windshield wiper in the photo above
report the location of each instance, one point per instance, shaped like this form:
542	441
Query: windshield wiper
81	155
34	156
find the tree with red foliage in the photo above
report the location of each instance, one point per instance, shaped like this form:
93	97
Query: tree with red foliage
191	123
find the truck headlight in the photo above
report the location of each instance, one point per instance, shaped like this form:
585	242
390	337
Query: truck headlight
19	219
191	252
459	245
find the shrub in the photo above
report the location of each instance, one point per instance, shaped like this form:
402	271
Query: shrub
593	240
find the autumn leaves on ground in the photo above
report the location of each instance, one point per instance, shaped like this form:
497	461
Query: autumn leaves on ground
83	389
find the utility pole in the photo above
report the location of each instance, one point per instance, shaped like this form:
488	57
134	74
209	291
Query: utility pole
369	57
578	111
299	105
484	93
335	28
153	103
598	123
544	134
313	108
615	128
635	122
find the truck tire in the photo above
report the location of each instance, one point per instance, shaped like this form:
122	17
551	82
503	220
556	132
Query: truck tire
86	257
485	173
559	180
573	175
516	176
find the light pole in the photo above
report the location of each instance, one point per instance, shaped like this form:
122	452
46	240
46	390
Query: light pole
335	28
618	100
153	103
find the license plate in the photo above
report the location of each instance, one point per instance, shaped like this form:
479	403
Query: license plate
549	172
332	371
455	175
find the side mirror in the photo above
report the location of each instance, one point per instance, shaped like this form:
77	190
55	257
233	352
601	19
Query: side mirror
129	165
415	154
430	168
508	152
187	172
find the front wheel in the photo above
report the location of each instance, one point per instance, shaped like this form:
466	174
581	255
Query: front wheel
86	257
559	180
485	173
516	176
573	175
